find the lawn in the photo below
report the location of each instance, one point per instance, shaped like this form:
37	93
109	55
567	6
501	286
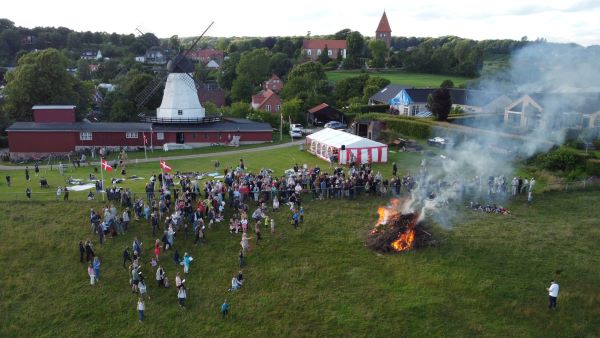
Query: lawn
486	278
416	80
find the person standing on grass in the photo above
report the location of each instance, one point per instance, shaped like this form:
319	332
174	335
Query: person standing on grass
187	259
126	257
257	231
295	218
58	193
81	251
553	294
91	273
143	288
244	243
141	307
66	194
224	309
27	173
28	193
126	219
8	181
157	249
89	251
97	268
160	276
241	258
182	295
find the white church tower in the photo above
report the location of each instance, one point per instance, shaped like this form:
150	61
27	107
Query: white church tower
180	99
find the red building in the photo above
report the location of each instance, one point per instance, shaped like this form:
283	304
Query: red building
313	48
55	131
274	83
267	100
205	55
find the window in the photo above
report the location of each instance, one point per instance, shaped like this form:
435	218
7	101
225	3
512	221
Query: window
180	112
318	52
160	136
131	134
85	136
329	52
405	110
277	108
414	110
268	108
308	52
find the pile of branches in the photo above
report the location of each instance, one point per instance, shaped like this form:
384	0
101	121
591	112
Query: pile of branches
382	237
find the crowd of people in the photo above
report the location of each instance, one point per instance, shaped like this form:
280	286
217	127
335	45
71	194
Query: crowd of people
177	206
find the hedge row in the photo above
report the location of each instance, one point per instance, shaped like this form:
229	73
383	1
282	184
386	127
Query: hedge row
406	126
592	167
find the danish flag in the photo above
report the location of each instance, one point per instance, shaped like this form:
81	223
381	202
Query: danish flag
164	166
104	165
145	139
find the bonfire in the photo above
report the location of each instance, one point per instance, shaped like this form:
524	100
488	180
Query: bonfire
398	232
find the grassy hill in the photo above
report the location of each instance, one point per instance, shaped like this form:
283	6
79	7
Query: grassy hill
487	278
416	80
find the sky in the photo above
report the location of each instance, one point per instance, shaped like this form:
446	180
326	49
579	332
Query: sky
558	21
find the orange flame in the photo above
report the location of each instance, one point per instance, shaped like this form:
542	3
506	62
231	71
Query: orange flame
405	241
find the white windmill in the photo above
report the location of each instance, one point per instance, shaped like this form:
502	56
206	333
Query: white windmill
180	100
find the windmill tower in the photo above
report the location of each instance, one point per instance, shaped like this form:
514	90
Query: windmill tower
180	98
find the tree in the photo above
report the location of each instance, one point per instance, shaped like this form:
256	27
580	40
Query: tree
40	78
254	66
240	109
447	84
441	103
280	64
83	70
228	74
350	87
242	89
323	58
292	109
343	34
378	51
355	48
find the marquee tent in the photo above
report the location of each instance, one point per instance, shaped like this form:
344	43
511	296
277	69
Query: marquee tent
342	147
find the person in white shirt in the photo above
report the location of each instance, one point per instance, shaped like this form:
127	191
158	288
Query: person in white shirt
141	307
553	294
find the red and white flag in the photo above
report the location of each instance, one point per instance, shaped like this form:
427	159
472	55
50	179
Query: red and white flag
145	139
104	165
164	166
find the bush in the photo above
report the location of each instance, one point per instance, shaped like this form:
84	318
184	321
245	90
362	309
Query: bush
563	159
592	167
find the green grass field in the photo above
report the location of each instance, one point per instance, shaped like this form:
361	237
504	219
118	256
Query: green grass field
416	80
486	278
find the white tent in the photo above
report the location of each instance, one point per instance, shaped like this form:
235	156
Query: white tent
342	147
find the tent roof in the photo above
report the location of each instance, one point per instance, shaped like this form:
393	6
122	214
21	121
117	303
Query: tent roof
337	138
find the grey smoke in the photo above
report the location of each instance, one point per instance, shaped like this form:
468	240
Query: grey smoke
565	77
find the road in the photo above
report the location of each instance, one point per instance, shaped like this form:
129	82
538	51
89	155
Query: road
179	157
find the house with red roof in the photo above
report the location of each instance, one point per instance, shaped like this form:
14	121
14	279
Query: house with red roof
274	83
266	100
384	31
313	48
206	55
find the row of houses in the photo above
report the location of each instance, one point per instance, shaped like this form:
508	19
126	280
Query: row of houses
522	111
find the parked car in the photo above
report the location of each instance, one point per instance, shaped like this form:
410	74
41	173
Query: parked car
297	127
295	133
437	142
335	125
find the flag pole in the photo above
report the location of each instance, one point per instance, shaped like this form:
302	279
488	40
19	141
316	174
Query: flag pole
290	119
151	146
145	155
281	127
102	179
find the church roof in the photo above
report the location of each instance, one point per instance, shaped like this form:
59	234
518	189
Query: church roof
384	25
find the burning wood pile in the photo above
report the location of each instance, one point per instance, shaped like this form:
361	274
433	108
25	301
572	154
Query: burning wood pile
398	232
